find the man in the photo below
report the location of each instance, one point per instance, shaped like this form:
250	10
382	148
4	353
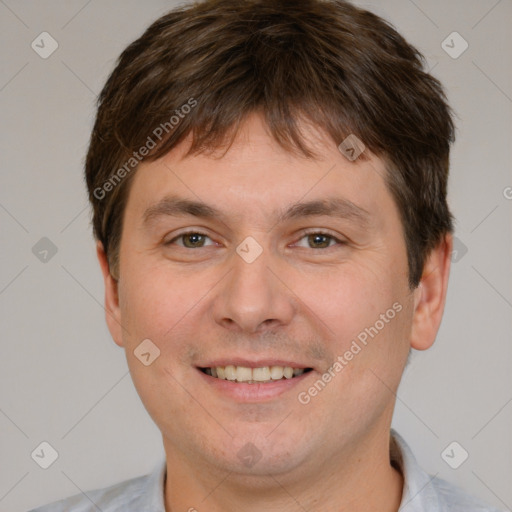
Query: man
268	181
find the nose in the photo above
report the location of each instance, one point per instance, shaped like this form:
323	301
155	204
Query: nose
253	297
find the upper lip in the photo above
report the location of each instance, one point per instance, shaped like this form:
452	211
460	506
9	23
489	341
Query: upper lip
260	363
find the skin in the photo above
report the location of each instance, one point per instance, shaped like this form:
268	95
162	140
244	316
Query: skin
302	299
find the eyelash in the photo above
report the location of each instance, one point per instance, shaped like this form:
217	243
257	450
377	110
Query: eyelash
307	233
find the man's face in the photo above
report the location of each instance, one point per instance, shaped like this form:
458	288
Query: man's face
254	287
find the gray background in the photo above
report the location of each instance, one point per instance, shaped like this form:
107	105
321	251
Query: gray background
64	381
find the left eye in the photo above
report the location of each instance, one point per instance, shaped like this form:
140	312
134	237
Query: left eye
319	240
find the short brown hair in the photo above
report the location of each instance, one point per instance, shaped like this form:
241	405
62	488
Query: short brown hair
337	66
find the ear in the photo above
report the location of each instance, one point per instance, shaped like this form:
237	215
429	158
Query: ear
430	295
112	310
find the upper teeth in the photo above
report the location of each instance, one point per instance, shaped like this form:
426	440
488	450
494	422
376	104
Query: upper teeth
250	375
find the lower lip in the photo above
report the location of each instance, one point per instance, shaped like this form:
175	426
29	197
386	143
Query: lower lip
244	392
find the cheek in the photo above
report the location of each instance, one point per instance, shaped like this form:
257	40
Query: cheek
154	301
157	306
352	298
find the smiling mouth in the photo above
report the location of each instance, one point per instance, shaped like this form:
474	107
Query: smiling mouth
262	375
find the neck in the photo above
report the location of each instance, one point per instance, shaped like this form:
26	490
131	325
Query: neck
357	480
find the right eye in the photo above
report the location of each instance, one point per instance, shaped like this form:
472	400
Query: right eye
191	240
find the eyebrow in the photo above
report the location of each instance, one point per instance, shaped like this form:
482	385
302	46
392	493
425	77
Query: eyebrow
332	206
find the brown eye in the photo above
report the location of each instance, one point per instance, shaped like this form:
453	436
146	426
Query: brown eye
190	240
319	241
195	240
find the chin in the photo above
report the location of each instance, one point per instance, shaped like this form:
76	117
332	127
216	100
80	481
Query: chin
260	453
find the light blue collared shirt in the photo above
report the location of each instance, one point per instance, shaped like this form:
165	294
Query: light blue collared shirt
421	492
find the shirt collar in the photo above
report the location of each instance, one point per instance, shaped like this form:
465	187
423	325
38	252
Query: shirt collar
152	499
418	493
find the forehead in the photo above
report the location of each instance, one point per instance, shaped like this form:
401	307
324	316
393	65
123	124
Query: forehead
259	178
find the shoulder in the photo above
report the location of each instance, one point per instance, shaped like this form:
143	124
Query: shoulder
425	493
454	499
136	494
106	499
